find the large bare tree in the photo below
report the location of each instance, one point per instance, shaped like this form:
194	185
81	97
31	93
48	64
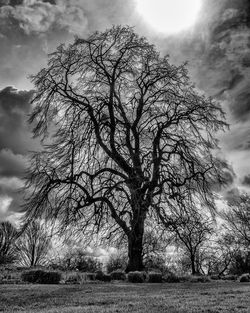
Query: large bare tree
131	135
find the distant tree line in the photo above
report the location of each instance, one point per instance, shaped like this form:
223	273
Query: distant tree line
201	246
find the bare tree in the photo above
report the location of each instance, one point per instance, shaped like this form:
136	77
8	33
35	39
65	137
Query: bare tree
220	254
155	243
237	219
33	244
8	237
132	137
191	232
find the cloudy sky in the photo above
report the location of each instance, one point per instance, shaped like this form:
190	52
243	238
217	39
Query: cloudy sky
216	46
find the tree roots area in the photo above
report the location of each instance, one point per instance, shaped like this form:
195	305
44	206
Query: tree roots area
125	297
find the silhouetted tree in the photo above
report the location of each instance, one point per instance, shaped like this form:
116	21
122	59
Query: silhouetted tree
8	237
191	232
237	224
237	218
131	136
33	244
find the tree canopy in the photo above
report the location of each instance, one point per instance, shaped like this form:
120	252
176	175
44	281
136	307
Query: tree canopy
131	137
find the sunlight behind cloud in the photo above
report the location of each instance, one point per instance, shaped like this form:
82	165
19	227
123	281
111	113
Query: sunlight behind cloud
169	16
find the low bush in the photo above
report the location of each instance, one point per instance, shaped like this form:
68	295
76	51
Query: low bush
184	278
99	275
102	277
116	262
90	276
154	277
171	278
118	275
215	277
10	276
229	277
244	278
73	278
136	277
41	277
106	278
199	279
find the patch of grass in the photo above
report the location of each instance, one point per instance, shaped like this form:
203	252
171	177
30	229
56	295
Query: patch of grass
223	297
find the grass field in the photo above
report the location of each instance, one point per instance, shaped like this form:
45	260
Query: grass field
216	297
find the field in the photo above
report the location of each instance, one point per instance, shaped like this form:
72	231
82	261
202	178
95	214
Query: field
216	297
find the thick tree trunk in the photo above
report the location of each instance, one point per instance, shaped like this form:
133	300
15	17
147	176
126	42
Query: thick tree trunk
193	265
135	246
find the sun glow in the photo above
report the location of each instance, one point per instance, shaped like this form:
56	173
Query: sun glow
169	16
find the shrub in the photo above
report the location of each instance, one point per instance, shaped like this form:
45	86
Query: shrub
154	277
41	277
171	278
74	278
106	278
77	260
199	279
90	276
99	275
116	262
136	277
10	278
229	277
215	277
118	275
102	277
244	278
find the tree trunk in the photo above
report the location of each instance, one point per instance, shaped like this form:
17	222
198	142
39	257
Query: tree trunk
193	265
135	246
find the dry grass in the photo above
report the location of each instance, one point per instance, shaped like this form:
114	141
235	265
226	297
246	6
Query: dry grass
216	297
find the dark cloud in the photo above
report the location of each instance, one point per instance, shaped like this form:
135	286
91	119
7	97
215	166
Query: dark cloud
10	2
11	165
232	195
15	133
15	141
240	106
229	177
10	196
246	180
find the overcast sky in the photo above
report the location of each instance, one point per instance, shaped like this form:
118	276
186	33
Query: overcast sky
217	48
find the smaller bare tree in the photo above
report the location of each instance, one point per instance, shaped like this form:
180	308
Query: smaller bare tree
221	254
238	219
191	231
8	237
155	243
33	244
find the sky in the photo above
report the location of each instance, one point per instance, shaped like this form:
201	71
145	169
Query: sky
216	47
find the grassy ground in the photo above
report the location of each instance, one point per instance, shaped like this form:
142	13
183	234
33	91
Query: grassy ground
216	297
